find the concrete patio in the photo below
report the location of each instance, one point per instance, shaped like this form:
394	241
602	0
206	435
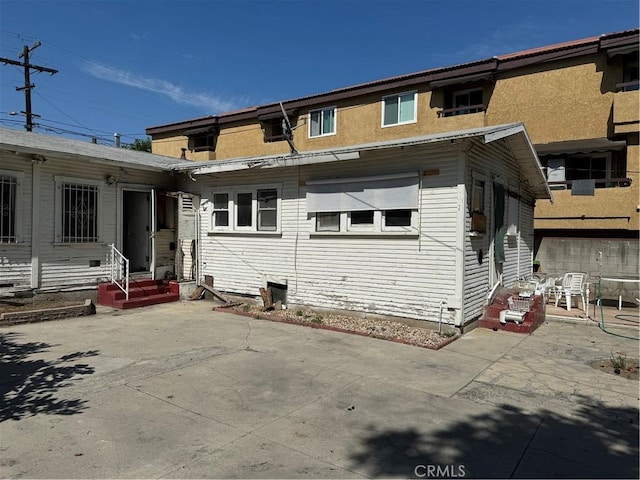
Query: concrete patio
179	391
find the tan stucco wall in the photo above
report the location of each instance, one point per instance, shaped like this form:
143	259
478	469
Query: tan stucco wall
169	145
564	103
599	211
561	103
573	100
626	112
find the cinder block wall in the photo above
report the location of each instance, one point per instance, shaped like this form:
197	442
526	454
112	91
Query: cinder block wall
620	257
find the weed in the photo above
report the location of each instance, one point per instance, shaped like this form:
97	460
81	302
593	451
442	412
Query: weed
245	308
299	313
316	319
448	333
619	360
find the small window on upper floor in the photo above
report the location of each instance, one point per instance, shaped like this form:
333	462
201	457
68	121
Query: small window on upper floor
322	122
273	129
399	109
202	139
604	169
630	73
463	102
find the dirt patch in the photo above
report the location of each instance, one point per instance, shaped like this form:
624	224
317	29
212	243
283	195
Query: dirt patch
382	329
28	305
619	365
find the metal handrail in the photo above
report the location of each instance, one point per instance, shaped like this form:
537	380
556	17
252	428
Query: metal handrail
119	266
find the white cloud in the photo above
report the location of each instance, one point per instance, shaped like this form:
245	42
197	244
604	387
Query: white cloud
204	101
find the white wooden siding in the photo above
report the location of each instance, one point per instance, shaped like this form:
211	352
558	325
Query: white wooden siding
68	264
15	258
496	163
384	274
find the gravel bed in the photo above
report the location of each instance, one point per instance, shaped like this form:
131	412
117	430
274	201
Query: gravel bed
384	329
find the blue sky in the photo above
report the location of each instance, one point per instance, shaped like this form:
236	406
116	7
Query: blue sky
128	65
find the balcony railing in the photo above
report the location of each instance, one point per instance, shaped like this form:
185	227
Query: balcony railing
628	86
600	183
450	112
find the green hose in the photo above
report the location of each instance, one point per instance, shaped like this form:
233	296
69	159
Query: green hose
602	324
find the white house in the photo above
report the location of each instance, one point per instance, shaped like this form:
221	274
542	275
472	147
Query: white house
403	228
408	228
64	202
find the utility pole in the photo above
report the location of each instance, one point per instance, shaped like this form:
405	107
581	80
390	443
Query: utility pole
27	79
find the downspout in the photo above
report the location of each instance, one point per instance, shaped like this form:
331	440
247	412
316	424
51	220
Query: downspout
35	224
197	240
461	239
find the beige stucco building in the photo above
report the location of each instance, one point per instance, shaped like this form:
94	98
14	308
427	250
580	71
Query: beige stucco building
578	100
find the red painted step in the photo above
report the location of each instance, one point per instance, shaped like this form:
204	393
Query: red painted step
141	293
532	320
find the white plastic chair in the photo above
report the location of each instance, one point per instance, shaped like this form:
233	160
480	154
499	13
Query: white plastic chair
548	288
573	285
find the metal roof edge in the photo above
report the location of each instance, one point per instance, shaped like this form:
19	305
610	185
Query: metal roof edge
519	129
37	143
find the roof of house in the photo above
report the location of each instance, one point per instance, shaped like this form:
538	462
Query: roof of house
514	134
45	145
435	77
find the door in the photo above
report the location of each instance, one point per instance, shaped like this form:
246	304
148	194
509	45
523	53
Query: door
137	230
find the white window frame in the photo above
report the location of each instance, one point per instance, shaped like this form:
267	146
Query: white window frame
378	226
233	226
339	215
321	111
236	216
259	227
60	181
364	227
468	92
18	208
215	210
398	96
411	228
478	177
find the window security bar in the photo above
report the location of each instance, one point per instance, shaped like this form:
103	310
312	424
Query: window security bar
79	213
8	186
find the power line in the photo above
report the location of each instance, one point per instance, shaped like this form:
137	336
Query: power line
28	86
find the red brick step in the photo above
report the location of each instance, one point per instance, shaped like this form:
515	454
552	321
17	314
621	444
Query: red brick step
141	293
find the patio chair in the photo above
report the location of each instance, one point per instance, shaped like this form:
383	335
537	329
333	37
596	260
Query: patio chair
553	287
573	285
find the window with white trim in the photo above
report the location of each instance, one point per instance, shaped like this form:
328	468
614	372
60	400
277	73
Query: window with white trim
604	169
8	209
399	109
477	195
77	210
467	101
365	205
246	209
267	205
322	122
220	215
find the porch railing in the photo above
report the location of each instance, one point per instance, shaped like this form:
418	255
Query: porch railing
119	270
